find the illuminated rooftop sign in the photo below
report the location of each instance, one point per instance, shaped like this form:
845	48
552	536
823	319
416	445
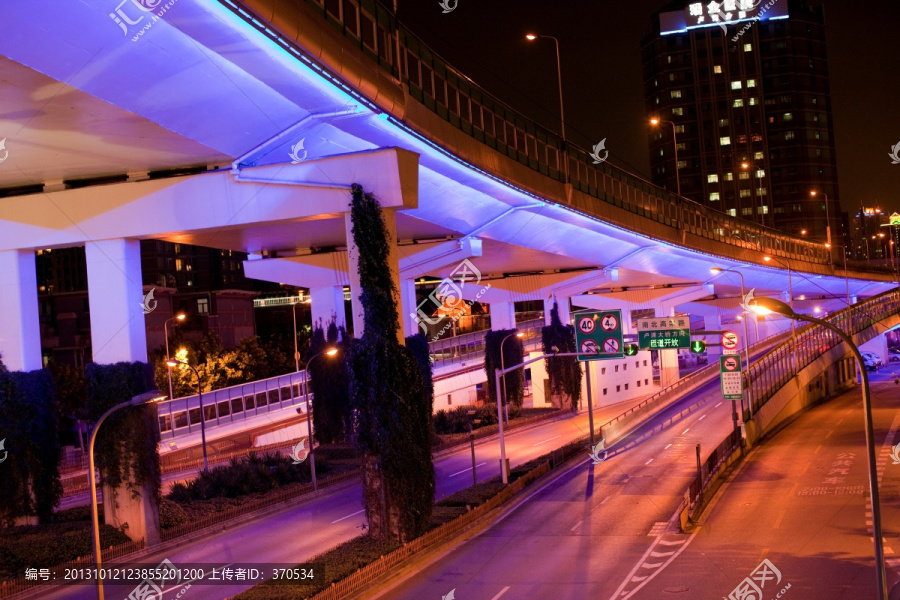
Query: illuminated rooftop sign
720	14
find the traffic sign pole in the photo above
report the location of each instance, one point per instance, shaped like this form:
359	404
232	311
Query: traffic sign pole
587	370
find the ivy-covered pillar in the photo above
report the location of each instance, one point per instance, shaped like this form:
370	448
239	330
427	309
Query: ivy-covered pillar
393	264
20	330
562	308
409	308
116	298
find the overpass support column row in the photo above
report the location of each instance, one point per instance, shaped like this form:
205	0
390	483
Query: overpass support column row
327	303
20	330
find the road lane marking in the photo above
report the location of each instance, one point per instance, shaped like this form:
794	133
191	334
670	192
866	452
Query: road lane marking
622	594
717	405
667	447
701	418
469	469
828	435
660	554
577	525
685	431
778	520
545	441
648	462
605	499
348	516
816	451
503	591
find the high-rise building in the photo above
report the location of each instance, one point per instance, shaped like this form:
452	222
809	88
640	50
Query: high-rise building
743	87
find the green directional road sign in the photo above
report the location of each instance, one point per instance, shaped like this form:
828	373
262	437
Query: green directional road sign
730	375
661	333
631	349
698	346
599	332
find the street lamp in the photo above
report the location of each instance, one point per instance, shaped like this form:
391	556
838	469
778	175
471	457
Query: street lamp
145	398
716	271
655	121
827	219
764	306
519	335
172	363
562	115
312	455
471	414
179	317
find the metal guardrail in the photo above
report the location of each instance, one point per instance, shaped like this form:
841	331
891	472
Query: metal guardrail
711	467
771	372
454	97
470	346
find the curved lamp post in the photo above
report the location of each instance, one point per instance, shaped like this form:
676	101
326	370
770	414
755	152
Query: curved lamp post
173	362
562	113
312	456
764	306
656	121
519	335
813	194
178	317
151	396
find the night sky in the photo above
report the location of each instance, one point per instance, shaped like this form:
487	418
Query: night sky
601	70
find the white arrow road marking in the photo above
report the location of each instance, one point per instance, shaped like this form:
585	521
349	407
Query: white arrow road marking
623	594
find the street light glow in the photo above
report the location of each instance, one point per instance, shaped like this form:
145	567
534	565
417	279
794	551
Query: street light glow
715	270
171	363
767	258
331	352
530	37
520	335
654	121
180	317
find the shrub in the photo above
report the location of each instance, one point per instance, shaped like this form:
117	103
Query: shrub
171	514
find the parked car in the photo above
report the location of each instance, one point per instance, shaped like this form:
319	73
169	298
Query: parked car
893	357
871	365
874	357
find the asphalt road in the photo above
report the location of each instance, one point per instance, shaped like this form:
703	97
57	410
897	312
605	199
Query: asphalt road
601	531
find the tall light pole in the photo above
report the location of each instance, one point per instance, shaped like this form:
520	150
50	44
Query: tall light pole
152	396
519	335
716	271
765	306
656	121
312	455
827	219
179	317
562	113
174	362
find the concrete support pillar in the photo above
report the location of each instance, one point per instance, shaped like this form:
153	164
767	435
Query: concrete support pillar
326	303
20	330
503	315
626	322
713	323
116	301
390	222
668	359
409	308
565	313
853	299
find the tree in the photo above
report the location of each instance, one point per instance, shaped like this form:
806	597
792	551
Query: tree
513	354
388	393
329	383
564	371
29	425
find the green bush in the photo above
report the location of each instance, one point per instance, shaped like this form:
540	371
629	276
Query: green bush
171	514
456	420
49	545
245	476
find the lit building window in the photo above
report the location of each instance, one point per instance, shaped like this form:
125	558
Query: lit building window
748	47
817	135
732	212
747	211
717	69
745	194
675	93
723	122
788	135
202	305
762	191
758	155
752	101
669	59
681	146
725	141
738	103
764	209
735	85
751	83
788	116
178	265
671	76
714	197
677	111
744	175
760	173
682	164
714	178
679	129
729	176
